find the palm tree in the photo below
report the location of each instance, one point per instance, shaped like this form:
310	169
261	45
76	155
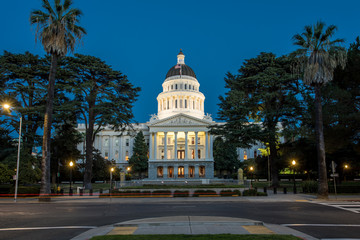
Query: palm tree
57	29
319	56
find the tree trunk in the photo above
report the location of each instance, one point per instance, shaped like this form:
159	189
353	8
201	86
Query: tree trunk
45	164
89	149
323	190
273	162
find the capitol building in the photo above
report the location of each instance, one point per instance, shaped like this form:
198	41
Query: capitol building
180	145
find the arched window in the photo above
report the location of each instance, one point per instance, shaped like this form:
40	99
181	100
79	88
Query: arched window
185	103
176	103
181	101
189	86
175	86
181	172
172	87
160	172
202	171
168	103
170	172
185	86
191	171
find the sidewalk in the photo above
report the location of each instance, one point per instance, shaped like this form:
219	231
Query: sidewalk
191	225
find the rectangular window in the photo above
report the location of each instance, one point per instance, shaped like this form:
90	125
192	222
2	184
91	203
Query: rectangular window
192	140
117	141
127	156
127	142
245	155
106	155
117	155
255	154
106	142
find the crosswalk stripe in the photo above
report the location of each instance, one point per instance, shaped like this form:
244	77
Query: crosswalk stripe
351	207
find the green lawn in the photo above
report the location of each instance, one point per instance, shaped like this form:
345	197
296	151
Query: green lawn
197	237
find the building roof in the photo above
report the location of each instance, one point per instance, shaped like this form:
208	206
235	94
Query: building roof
185	70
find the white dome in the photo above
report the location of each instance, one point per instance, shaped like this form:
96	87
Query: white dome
180	93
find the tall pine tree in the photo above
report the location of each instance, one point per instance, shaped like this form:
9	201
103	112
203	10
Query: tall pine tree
139	159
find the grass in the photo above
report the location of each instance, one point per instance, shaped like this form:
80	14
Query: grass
197	237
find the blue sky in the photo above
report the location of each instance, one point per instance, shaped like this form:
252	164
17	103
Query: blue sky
142	38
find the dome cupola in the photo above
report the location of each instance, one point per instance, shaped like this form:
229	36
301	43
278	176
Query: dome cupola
180	92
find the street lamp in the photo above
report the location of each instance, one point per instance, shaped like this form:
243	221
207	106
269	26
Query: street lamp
7	107
128	169
111	171
71	164
346	167
293	163
252	171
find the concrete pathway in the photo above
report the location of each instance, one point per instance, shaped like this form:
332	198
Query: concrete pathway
191	225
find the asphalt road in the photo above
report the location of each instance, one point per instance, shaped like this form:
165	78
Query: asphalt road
71	215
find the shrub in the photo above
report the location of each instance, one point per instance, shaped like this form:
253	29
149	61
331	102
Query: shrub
229	193
161	192
179	193
198	193
309	186
250	192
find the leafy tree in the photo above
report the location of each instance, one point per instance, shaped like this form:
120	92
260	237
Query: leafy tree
225	156
101	167
319	55
260	97
64	147
25	78
5	173
58	32
104	97
6	145
139	159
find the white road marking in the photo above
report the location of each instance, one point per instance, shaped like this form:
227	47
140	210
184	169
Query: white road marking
46	228
351	207
319	225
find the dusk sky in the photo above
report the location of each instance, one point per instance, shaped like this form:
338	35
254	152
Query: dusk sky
142	38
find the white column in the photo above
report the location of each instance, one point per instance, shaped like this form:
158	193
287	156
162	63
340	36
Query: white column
165	145
206	145
151	145
175	148
196	145
186	145
155	145
211	147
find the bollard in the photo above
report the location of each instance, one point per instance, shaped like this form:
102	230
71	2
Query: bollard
81	191
285	190
91	192
265	189
275	190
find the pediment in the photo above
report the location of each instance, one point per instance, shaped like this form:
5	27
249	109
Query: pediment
180	120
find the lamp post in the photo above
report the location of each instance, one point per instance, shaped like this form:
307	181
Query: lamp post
7	107
346	167
111	171
252	173
71	164
293	163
